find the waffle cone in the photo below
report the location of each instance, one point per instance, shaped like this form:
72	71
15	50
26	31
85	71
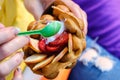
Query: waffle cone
50	65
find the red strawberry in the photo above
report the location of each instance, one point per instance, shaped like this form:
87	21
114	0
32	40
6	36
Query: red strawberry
42	45
55	45
51	48
61	40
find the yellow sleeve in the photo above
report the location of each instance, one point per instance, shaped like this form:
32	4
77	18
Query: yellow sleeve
14	13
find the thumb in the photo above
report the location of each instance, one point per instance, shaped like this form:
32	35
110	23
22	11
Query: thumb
34	7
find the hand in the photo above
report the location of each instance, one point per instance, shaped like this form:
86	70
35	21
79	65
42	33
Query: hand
77	11
37	7
10	43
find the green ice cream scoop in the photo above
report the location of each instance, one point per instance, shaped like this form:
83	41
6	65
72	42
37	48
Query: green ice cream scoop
49	30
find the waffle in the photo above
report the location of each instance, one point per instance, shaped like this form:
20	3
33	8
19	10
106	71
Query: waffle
50	64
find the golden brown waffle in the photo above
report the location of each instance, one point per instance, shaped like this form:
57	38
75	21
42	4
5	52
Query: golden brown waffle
49	65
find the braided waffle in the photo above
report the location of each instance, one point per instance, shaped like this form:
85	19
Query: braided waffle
49	63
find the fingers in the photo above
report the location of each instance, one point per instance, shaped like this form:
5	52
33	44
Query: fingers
18	74
34	7
12	46
46	3
84	15
7	66
7	34
1	26
77	11
2	78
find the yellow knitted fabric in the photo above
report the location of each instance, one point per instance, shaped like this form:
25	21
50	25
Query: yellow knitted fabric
13	13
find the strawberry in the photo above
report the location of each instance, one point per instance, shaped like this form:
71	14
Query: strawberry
55	45
51	48
42	45
62	39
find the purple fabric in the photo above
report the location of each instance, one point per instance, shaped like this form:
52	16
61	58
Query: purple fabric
103	22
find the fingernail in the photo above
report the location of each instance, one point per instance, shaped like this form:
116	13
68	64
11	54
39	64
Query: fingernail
28	37
16	30
18	69
20	53
1	25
